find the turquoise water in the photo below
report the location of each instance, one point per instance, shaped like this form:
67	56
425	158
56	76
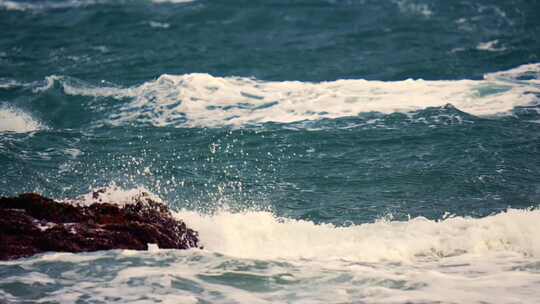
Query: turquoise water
327	151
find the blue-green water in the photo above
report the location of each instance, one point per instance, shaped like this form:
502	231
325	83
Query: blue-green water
327	151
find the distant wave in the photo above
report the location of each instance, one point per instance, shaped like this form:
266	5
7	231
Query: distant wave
172	1
414	7
490	46
27	5
160	25
11	5
202	100
45	5
8	84
18	121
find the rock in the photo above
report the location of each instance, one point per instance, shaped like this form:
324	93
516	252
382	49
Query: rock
31	224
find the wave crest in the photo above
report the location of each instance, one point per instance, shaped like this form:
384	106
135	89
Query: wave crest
260	235
18	121
202	100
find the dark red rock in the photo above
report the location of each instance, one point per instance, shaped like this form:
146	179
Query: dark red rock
31	224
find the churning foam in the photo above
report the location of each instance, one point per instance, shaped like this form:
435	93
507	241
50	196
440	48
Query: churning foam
15	120
255	257
261	235
202	100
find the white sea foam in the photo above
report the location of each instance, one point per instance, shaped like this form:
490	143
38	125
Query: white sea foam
414	7
72	152
18	121
255	257
531	73
29	5
202	100
490	46
116	195
194	276
244	234
156	24
11	5
49	83
260	235
7	84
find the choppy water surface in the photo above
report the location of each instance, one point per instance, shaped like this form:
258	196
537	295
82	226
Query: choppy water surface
326	151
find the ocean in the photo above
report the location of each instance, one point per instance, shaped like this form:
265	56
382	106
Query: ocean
353	151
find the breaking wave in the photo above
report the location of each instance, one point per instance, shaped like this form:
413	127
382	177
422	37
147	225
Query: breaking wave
261	235
17	121
202	100
452	260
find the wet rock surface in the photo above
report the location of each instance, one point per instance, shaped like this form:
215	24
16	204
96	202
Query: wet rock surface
31	224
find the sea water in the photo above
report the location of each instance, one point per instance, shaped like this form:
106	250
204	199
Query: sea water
353	151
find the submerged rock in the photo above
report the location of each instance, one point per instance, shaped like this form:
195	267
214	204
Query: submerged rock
31	224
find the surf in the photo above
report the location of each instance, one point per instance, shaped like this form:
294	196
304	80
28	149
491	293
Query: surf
203	100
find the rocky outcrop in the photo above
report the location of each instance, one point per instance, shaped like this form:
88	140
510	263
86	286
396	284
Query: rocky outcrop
31	224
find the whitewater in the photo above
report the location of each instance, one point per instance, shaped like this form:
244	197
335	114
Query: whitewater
201	100
257	257
355	151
